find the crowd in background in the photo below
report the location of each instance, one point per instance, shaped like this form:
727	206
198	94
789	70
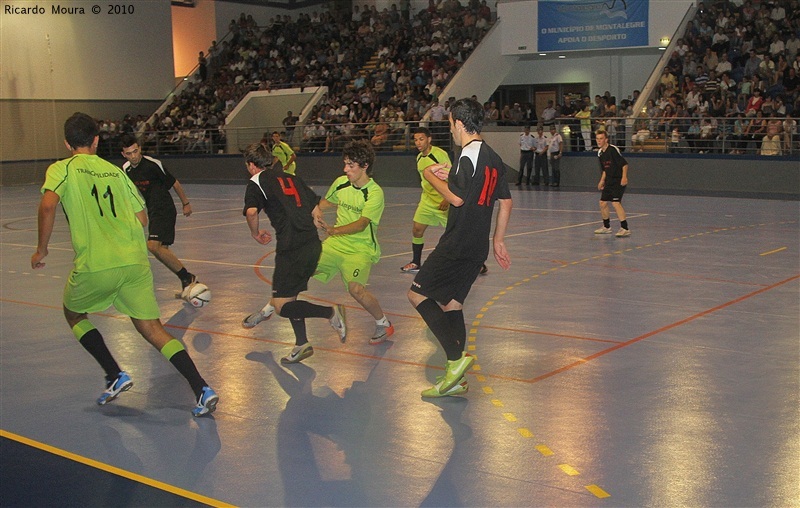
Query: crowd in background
734	75
378	91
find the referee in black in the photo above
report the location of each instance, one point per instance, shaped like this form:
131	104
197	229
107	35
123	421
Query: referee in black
155	182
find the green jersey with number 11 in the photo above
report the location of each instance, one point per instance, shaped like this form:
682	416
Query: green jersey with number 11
100	203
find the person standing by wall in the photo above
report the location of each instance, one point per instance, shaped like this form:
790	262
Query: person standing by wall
540	162
526	143
555	146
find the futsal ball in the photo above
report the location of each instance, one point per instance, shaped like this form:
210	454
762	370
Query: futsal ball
199	295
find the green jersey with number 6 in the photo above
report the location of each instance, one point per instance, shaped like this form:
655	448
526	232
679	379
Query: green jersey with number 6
355	203
100	203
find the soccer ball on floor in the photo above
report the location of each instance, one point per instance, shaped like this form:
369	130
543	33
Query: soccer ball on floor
198	295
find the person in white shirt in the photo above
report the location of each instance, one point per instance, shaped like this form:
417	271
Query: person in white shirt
554	151
526	142
540	144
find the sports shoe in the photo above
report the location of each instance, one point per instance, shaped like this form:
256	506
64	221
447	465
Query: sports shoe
623	232
123	383
338	323
455	370
410	268
461	387
381	333
257	317
188	282
484	269
298	353
184	293
206	403
603	231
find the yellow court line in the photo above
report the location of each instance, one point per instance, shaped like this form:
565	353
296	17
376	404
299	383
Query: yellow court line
772	251
115	470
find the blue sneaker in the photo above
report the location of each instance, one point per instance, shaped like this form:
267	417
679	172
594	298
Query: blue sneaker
207	402
123	383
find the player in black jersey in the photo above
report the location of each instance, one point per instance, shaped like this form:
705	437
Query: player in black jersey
613	182
293	211
155	182
444	281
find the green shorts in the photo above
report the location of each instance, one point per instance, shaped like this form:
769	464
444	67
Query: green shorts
352	267
128	288
429	214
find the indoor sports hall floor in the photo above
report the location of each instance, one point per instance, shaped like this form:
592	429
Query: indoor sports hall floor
661	369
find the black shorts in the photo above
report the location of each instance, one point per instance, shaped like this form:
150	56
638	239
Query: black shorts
161	227
444	279
612	192
293	269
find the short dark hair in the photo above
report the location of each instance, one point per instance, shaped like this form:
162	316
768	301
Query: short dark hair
423	130
257	154
80	130
470	113
360	151
128	139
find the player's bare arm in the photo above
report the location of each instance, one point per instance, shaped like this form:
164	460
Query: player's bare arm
46	221
499	245
432	175
187	207
260	235
356	226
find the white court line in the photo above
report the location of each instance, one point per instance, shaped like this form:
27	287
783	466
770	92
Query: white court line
223	263
216	211
243	221
583	224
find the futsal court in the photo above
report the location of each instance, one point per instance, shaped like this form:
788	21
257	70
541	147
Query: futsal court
661	369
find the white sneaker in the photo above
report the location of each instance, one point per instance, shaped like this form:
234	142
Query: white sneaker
623	232
603	231
338	323
257	317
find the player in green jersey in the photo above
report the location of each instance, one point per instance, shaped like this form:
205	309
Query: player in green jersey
283	153
432	208
352	245
106	216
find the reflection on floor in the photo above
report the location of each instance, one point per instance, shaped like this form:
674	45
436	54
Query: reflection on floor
659	369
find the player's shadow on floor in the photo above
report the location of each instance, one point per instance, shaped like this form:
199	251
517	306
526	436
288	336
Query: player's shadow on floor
321	446
179	322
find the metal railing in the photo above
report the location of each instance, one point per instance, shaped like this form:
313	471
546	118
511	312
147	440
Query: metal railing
684	135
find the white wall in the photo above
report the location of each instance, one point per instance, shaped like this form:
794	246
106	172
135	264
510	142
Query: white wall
86	56
620	73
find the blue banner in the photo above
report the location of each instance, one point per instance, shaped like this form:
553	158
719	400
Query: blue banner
570	25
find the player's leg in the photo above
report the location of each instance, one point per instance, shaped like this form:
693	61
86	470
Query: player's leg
355	270
623	220
92	292
417	245
605	214
117	381
172	349
135	298
161	234
442	279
